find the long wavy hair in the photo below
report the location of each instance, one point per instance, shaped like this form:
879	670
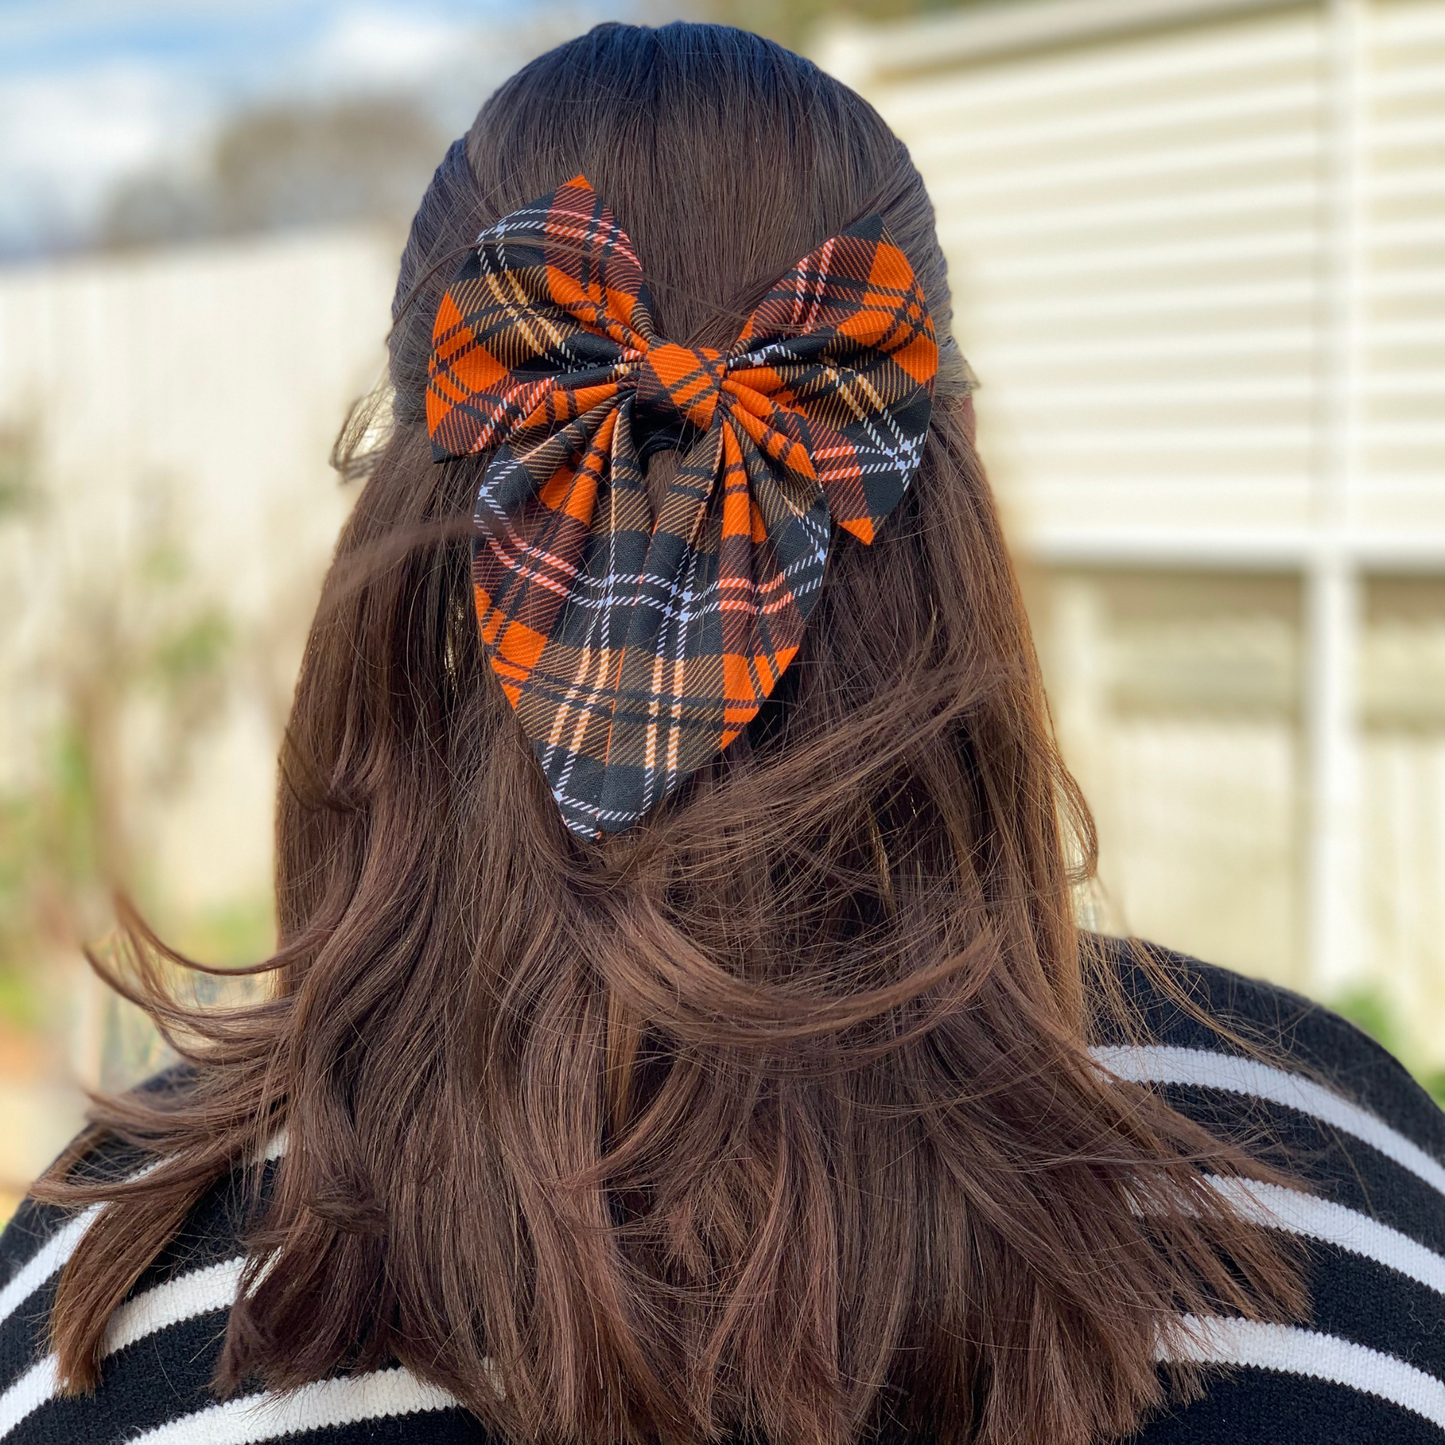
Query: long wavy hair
774	1115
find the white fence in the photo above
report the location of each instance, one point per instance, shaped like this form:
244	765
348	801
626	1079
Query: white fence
165	424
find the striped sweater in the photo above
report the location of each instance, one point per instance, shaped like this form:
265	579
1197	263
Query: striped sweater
1369	1369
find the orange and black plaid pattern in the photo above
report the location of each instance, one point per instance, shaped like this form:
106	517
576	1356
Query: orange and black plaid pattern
634	646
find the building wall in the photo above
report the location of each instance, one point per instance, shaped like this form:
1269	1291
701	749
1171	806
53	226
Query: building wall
1197	253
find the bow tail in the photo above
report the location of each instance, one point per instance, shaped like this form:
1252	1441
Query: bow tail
733	569
664	720
771	562
572	721
777	564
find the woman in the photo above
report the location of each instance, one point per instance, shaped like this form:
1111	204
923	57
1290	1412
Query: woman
679	1027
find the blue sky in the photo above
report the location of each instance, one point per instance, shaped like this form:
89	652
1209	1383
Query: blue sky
93	90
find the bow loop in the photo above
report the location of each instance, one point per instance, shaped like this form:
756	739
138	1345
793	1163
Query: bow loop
635	645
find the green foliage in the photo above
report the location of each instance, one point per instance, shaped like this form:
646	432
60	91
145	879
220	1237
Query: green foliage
17	470
153	645
235	933
20	1005
193	653
48	858
67	807
1368	1008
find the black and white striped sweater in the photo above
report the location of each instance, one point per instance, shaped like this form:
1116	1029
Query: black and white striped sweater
1370	1369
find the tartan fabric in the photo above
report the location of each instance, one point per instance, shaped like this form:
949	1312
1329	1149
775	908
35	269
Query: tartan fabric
635	647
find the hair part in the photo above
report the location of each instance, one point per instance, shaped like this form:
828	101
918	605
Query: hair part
774	1115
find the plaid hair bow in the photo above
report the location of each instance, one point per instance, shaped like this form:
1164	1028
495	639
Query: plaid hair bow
632	647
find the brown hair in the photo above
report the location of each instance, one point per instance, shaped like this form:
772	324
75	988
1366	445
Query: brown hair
774	1115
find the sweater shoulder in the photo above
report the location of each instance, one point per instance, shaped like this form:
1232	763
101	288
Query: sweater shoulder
1181	1002
1359	1150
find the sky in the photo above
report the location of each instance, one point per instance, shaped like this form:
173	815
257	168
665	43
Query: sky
92	91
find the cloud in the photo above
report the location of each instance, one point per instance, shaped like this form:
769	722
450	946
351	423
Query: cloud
93	92
65	137
376	48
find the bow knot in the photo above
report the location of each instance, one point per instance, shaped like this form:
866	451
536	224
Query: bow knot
679	384
635	644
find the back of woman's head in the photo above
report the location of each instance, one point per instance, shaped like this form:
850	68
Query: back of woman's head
724	157
775	1113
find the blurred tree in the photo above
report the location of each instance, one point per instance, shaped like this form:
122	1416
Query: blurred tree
368	158
133	670
18	451
794	22
287	165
